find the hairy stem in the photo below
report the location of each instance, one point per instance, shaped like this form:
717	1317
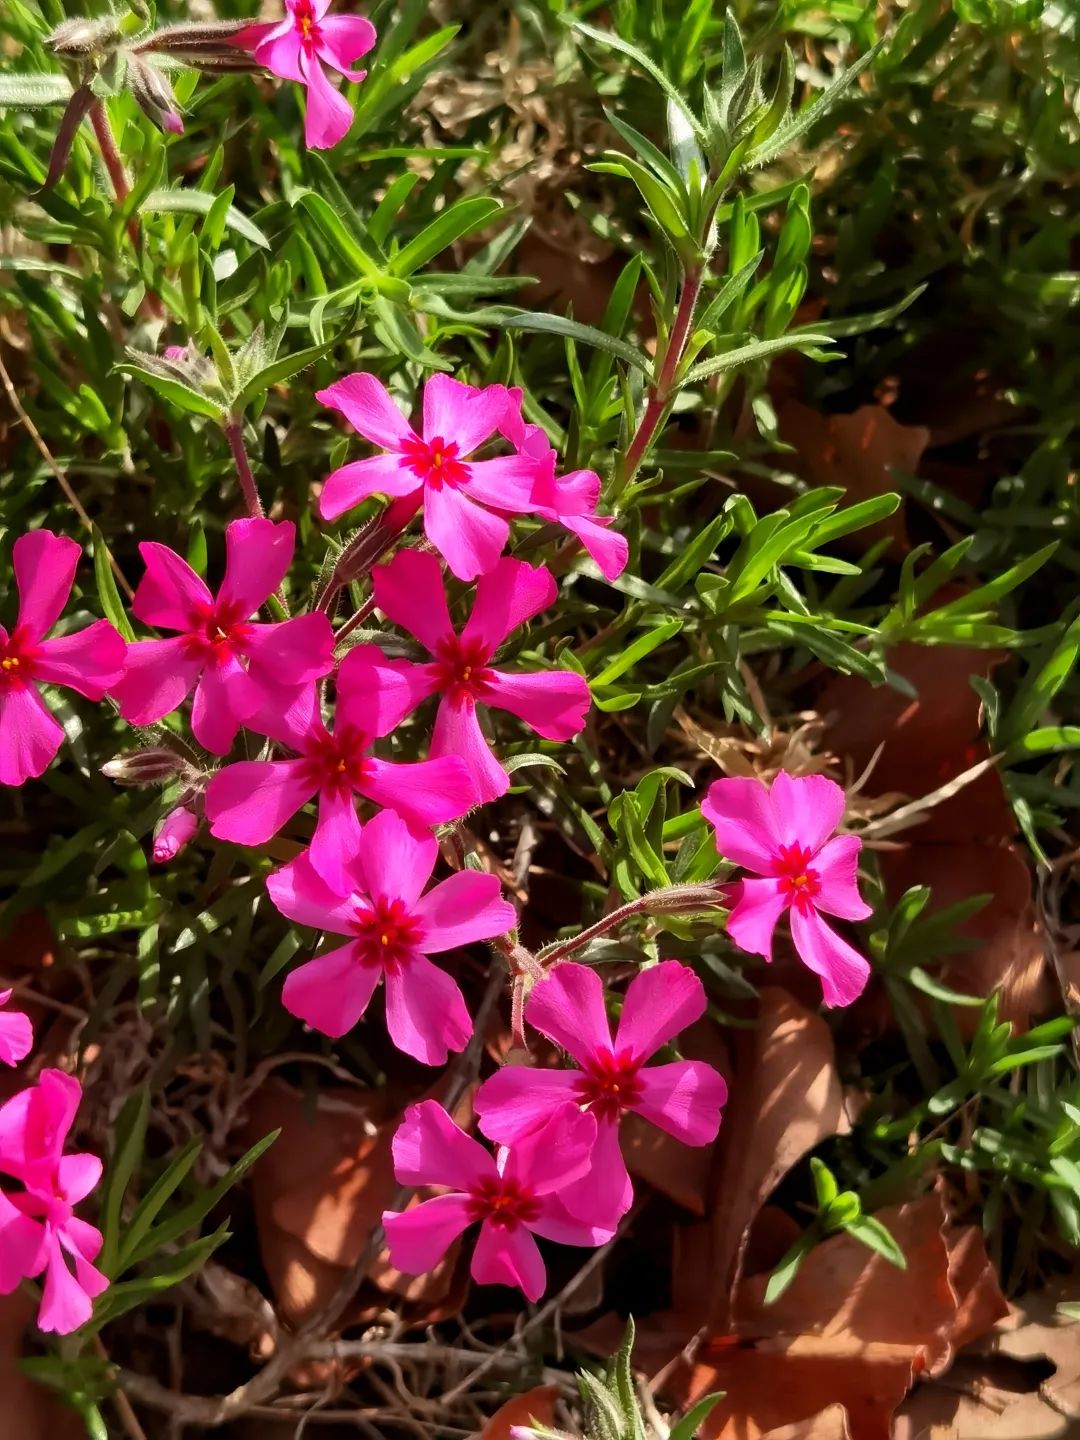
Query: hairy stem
234	433
673	900
113	164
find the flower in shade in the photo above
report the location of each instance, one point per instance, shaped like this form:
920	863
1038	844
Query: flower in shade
38	1228
569	500
465	501
16	1033
175	831
513	1196
299	47
783	835
250	801
552	702
234	664
683	1097
89	661
392	927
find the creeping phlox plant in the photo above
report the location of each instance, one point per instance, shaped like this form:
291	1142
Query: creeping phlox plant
312	709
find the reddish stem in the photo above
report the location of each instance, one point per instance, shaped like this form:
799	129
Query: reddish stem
234	433
113	163
366	547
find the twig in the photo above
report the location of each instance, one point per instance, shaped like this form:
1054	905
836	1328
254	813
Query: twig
128	1418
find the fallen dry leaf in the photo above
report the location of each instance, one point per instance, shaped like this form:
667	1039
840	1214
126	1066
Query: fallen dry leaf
831	1424
31	1412
536	1405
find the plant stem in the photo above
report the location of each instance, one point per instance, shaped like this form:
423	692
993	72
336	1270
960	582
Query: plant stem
113	164
672	900
234	433
366	546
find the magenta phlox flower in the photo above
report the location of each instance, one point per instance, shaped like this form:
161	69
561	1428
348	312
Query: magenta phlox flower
392	926
783	835
250	801
16	1033
465	501
235	664
38	1228
553	703
682	1097
89	661
513	1196
299	46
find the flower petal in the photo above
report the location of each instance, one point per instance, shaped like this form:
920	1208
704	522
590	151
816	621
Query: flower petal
466	907
429	1149
44	566
91	661
224	697
461	413
366	404
683	1098
342	41
568	1007
554	1222
469	538
507	596
329	114
427	792
410	592
505	482
508	1257
554	703
555	1155
395	859
604	1193
292	652
157	676
21	1246
336	841
660	1002
843	971
457	732
170	596
426	1013
520	1098
76	1176
16	1035
258	554
747	832
757	908
278	49
418	1238
358	481
249	802
301	894
29	736
808	808
837	866
608	548
65	1305
375	694
331	992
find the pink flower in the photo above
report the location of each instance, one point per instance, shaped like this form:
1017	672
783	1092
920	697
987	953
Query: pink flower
783	834
569	500
90	661
175	831
217	635
38	1230
460	496
298	47
552	702
16	1033
250	801
513	1196
392	927
683	1097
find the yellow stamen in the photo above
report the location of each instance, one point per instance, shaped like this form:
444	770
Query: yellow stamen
12	662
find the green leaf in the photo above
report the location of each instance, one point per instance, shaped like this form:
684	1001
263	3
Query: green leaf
198	202
788	1267
642	646
572	330
758	350
129	1139
874	1234
281	369
695	1417
29	92
108	594
611	41
461	218
173	390
798	124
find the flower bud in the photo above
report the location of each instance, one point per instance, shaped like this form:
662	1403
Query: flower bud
145	767
173	833
154	94
82	36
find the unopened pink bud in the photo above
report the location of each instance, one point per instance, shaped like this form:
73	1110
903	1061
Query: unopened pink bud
176	352
145	767
174	832
172	122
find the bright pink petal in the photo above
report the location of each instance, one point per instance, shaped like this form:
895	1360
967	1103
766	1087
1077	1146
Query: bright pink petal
554	1222
520	1098
170	596
604	1193
554	703
21	1246
279	49
258	553
660	1003
608	548
577	494
157	676
91	1281
44	566
249	802
366	404
837	867
301	894
65	1305
375	694
410	592
683	1098
419	1238
331	992
457	732
505	483
747	832
82	1239
461	413
758	905
568	1007
469	538
29	736
342	41
842	970
555	1155
429	1149
358	481
76	1176
808	808
427	792
290	714
508	1257
16	1034
291	653
91	661
224	697
426	1013
34	1126
329	114
506	597
466	907
395	859
337	838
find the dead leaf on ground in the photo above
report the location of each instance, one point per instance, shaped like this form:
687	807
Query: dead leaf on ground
31	1411
534	1406
831	1424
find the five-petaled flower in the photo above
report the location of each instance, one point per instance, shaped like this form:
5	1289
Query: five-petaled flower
783	835
297	48
16	1033
38	1229
683	1097
250	801
218	635
393	926
552	702
513	1196
89	661
465	501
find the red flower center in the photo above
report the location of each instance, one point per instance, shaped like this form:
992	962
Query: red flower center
388	933
218	632
503	1202
339	761
799	883
461	668
435	462
17	656
306	24
609	1084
